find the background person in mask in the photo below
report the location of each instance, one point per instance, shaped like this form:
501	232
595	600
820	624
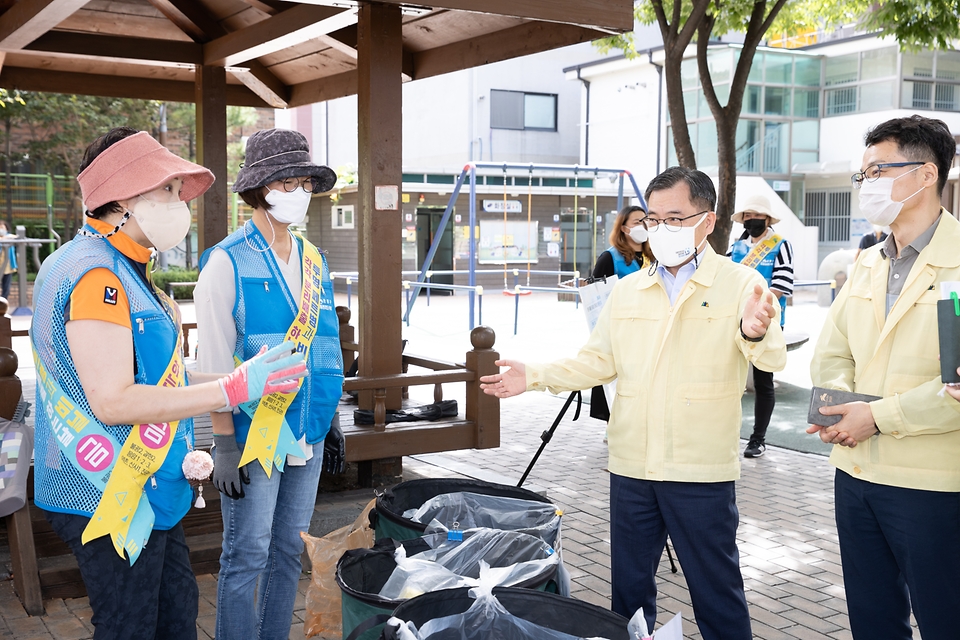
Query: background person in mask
897	483
628	253
678	338
876	236
113	406
257	285
761	249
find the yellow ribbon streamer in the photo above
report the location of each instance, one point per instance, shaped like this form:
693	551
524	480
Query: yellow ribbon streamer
141	455
265	428
760	251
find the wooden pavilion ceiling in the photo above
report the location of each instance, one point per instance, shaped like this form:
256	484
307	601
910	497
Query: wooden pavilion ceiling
277	53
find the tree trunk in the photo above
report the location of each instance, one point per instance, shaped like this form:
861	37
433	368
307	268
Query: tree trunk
727	193
686	157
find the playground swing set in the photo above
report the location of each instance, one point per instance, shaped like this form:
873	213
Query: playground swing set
470	171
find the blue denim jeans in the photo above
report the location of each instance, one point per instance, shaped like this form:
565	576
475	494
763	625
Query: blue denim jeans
260	563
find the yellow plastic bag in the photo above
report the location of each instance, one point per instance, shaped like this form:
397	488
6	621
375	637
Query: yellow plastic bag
323	614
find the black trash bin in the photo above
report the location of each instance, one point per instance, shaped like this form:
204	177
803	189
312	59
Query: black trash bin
388	520
567	615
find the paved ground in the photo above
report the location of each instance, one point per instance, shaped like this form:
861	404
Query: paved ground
787	535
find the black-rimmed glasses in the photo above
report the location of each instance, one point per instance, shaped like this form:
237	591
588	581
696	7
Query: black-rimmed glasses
874	171
292	184
672	223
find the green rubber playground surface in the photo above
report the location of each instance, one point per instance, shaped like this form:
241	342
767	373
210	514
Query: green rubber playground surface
789	422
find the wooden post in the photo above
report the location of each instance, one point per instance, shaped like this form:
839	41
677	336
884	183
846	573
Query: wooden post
483	410
346	335
379	115
23	553
211	99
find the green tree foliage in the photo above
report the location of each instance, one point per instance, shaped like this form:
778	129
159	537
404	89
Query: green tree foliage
915	23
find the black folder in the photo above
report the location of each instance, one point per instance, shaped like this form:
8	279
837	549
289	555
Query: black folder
948	324
821	397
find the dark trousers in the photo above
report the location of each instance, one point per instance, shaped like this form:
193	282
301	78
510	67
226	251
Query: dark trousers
5	285
899	547
155	599
702	519
764	402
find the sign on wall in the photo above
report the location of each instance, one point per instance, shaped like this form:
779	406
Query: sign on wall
497	206
513	241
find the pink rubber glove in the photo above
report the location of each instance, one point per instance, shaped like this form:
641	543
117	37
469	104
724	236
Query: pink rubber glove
275	371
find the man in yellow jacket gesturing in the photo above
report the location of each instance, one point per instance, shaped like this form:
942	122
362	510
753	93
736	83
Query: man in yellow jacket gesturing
678	337
898	459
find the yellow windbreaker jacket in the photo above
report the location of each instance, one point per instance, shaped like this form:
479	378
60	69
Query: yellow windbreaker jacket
896	357
680	371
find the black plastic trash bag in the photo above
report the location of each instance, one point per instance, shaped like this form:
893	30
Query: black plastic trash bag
505	614
374	581
465	510
388	519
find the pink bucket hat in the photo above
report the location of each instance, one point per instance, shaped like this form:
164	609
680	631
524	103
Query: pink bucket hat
135	165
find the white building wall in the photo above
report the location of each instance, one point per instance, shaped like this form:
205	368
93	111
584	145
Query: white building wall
841	137
623	118
446	119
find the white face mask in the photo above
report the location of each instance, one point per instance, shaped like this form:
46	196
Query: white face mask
288	207
165	224
675	247
876	203
638	234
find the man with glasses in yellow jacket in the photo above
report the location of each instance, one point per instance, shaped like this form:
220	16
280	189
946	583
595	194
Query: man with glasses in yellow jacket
678	337
897	483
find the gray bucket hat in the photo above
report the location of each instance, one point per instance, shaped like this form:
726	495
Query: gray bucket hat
275	154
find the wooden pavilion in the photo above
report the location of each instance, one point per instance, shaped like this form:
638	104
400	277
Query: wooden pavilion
286	53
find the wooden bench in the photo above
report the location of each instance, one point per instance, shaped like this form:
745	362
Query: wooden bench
45	568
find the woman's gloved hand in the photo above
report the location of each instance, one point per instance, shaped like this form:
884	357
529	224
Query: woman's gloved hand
334	448
228	476
275	371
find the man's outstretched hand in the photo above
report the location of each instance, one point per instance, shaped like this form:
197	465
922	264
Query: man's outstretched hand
506	384
757	313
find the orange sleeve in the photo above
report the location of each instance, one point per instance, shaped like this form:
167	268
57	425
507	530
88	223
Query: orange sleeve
100	296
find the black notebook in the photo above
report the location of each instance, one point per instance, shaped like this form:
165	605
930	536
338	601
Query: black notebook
820	397
948	324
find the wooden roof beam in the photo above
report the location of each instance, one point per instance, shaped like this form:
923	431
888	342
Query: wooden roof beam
262	82
525	39
120	47
191	17
323	89
604	15
27	20
91	84
286	29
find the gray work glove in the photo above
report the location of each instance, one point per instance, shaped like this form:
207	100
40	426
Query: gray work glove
334	448
228	477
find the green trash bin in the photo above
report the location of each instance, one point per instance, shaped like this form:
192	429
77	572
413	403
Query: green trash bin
362	574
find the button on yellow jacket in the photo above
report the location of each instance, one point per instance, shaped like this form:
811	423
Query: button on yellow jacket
896	357
680	371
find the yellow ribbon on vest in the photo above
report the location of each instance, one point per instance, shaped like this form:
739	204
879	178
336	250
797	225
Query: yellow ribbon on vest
760	251
141	455
264	438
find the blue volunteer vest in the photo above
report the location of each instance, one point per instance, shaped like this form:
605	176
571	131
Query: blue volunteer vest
740	250
263	312
60	486
620	266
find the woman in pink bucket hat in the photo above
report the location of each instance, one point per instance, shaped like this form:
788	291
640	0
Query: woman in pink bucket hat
113	425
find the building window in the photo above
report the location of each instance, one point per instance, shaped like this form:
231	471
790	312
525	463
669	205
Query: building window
342	216
830	211
521	111
931	80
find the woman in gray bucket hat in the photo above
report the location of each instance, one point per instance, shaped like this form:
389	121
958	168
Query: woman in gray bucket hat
262	285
